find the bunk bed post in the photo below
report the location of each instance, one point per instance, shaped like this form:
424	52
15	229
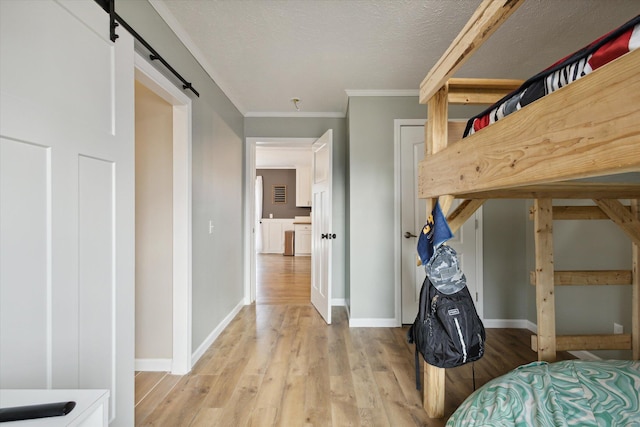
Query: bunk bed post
437	130
635	299
545	297
436	138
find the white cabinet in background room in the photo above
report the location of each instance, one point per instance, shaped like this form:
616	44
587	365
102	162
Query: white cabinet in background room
302	239
303	186
273	234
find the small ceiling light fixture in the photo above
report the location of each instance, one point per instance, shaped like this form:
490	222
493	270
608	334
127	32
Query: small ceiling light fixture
295	103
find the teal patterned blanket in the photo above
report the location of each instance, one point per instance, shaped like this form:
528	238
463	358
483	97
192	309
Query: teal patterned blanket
569	393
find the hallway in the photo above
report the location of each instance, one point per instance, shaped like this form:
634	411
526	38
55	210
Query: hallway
283	279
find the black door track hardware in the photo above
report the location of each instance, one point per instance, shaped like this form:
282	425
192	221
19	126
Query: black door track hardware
110	7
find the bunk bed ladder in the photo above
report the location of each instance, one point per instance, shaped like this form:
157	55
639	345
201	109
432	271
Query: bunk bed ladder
545	277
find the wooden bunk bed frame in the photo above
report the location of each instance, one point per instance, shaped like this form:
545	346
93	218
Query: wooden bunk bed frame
582	130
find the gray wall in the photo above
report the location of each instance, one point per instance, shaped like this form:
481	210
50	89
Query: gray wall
271	177
314	128
505	277
371	199
217	178
371	202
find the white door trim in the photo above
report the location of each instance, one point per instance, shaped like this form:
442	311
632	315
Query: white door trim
397	212
182	257
249	203
397	225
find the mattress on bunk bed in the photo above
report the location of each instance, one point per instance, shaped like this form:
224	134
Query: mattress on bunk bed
571	68
568	393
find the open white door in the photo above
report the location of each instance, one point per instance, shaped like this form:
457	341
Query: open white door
322	227
66	201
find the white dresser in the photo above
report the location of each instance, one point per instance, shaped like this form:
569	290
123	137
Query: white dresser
91	408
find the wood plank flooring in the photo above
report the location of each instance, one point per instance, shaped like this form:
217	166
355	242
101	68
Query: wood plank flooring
283	279
280	365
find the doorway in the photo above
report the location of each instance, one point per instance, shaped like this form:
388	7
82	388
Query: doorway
278	160
410	216
178	312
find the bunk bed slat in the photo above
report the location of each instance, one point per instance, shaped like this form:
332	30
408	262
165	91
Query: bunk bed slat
587	277
579	212
480	91
561	190
588	342
588	128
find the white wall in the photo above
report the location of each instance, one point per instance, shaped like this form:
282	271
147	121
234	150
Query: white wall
154	209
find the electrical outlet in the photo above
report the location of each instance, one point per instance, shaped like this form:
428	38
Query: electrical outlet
617	328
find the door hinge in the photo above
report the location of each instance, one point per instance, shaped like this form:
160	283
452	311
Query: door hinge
476	297
476	224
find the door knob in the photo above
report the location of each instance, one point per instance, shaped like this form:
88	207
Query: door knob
408	235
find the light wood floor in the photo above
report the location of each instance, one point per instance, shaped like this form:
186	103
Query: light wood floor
281	365
283	279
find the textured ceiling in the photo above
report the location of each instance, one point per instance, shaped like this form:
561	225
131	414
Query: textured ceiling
262	53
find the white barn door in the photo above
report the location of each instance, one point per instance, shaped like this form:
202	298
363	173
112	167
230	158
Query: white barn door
66	201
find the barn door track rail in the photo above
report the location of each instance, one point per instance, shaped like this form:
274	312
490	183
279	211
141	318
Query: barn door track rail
116	20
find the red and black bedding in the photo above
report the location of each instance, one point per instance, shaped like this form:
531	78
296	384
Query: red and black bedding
571	68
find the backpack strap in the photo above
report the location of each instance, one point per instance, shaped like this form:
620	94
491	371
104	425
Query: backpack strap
424	295
417	359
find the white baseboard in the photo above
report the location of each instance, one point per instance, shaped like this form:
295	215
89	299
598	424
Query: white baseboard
153	365
338	302
532	326
202	348
373	323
